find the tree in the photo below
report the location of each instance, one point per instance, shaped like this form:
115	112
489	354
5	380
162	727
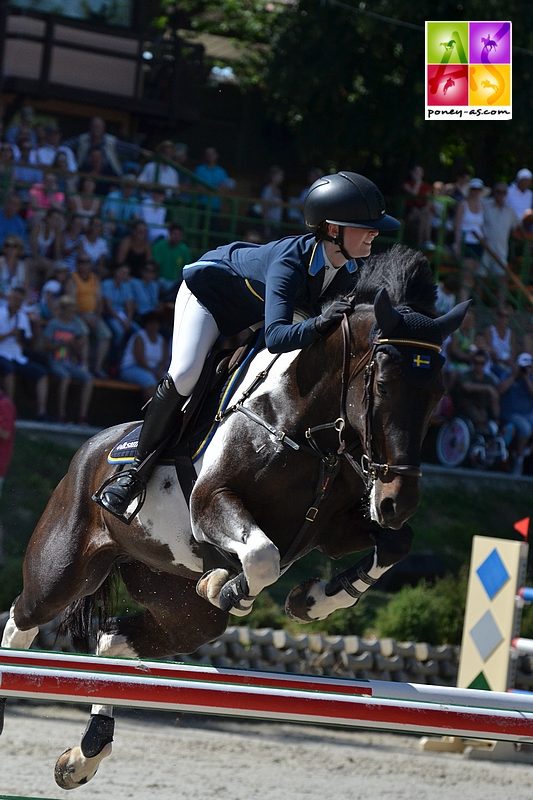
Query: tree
347	81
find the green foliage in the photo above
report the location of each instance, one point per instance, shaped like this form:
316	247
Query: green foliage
430	613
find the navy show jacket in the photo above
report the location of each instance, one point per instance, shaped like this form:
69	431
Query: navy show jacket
242	284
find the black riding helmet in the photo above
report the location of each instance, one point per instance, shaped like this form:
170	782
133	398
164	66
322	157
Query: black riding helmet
349	200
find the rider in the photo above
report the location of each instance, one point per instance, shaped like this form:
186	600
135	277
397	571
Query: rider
241	284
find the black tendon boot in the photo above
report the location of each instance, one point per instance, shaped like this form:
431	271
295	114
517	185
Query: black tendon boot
163	418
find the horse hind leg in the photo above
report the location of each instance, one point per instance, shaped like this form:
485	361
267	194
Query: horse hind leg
16	639
77	765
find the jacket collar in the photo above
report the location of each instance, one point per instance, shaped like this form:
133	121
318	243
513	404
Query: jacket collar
318	260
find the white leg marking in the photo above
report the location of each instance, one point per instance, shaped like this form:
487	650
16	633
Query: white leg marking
324	605
260	561
15	638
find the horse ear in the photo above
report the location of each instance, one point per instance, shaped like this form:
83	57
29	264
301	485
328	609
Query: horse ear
386	315
449	322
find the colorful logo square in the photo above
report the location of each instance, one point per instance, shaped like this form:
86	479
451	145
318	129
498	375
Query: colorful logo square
468	70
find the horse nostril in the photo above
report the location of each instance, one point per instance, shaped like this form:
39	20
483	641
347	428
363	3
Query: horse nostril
388	507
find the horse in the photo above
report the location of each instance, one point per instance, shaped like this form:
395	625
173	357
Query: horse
319	450
488	43
448	45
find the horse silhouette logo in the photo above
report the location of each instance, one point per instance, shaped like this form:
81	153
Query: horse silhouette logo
449	83
489	44
448	46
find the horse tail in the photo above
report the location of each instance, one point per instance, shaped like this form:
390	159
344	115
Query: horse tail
83	618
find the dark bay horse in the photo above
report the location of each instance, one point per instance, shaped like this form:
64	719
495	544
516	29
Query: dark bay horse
320	450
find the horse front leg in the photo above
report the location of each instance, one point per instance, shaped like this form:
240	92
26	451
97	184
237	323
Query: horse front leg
316	599
220	518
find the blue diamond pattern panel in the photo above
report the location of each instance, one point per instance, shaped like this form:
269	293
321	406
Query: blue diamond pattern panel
486	635
492	574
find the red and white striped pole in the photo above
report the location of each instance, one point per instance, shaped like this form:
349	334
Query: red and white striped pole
379	705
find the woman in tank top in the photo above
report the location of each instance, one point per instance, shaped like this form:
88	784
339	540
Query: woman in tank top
134	249
501	342
85	203
13	272
468	243
145	358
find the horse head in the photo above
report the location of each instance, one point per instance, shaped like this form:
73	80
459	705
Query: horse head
402	385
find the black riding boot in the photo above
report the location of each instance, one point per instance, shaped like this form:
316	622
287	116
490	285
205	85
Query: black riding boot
163	418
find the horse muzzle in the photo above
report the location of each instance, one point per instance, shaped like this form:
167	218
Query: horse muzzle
394	501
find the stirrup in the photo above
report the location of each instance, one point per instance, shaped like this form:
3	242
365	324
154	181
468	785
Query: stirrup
125	517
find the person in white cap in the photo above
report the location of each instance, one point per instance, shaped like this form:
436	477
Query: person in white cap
520	196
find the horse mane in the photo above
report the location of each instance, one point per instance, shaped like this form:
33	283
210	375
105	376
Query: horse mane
405	274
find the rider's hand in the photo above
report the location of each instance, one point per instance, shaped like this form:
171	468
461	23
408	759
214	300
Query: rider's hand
332	315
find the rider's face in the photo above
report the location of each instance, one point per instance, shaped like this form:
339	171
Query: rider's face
358	241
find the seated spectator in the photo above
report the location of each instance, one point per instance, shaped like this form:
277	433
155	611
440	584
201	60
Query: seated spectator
134	249
113	150
66	342
153	213
146	290
85	203
501	341
121	206
72	241
272	201
45	154
516	391
8	415
11	222
460	346
7	170
468	241
15	330
24	173
43	196
447	290
95	246
161	171
146	356
119	305
86	290
24	127
46	245
520	194
211	173
476	395
13	268
58	284
295	210
100	172
418	207
171	255
66	181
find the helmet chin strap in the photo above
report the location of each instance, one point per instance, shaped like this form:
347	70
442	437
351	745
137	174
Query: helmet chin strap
339	241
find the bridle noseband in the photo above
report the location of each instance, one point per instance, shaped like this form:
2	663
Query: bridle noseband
368	469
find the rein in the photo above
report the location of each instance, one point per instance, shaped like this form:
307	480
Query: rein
367	469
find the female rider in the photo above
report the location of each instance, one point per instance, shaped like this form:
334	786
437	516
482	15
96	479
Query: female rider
242	284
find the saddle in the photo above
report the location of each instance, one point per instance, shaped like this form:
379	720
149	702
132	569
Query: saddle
223	370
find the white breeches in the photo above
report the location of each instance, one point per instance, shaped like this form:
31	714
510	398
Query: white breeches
195	332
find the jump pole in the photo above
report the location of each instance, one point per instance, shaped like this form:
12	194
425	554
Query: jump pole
384	705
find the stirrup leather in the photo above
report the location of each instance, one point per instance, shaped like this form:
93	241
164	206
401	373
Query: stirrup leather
139	498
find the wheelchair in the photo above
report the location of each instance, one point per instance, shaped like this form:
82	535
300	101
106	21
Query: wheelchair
458	443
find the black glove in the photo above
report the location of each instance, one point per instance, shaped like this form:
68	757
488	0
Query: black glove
332	315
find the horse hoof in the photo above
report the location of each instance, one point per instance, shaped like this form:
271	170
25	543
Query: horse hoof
72	769
299	602
210	585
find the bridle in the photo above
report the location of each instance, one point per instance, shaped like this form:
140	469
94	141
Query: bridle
367	468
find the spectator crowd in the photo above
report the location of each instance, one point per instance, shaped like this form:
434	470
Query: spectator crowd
92	252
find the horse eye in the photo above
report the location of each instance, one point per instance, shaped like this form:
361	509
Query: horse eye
382	388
